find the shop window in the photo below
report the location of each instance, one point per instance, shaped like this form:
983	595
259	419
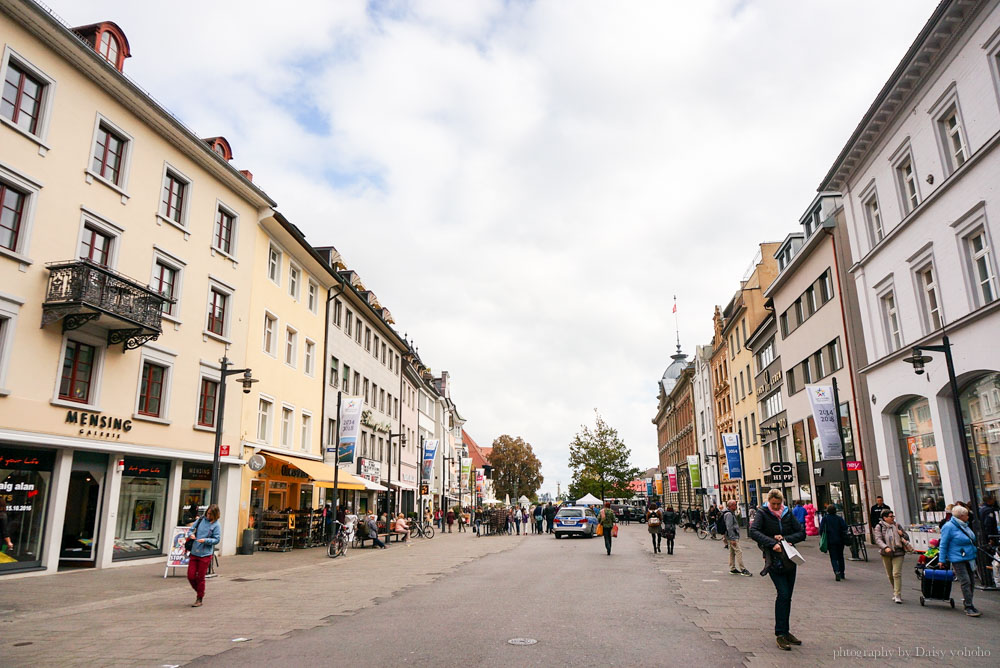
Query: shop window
26	477
196	484
921	465
981	412
141	508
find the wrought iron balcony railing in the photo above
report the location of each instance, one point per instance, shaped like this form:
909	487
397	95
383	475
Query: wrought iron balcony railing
80	291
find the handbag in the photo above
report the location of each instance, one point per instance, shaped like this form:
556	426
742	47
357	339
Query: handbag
823	546
600	529
189	543
614	531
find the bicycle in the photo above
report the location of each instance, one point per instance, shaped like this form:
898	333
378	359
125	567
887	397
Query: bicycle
706	529
341	540
424	529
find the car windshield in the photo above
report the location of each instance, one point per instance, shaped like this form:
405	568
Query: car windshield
571	512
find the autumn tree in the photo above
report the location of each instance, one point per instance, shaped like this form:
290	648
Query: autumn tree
516	469
600	463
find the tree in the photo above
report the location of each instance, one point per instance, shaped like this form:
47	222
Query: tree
516	469
600	463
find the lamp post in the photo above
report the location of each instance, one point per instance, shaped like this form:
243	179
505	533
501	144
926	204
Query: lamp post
248	380
918	360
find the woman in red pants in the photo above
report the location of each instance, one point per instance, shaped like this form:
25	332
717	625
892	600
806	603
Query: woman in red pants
206	533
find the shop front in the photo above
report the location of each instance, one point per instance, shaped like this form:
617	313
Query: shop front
25	492
981	412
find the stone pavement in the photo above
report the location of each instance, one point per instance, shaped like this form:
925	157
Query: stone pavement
132	616
852	622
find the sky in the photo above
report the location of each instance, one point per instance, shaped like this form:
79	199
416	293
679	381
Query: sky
527	185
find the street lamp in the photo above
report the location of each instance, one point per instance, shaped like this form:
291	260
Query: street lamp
247	381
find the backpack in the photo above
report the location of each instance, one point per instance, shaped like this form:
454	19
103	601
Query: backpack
720	523
654	518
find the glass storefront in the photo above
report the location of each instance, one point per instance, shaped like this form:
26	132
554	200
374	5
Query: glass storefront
196	484
83	503
921	467
799	442
25	479
141	508
981	411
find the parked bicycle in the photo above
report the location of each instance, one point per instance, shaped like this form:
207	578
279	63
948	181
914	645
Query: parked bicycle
706	529
418	528
341	541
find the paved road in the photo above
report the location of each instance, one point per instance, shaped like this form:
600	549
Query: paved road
583	608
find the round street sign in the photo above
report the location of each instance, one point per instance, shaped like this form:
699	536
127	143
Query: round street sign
256	462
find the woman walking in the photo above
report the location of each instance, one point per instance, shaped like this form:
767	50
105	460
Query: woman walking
772	525
958	548
207	534
892	543
834	529
670	521
654	521
607	520
517	519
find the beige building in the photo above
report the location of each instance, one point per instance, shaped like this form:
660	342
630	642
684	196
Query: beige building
126	255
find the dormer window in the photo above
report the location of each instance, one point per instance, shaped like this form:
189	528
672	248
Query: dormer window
108	48
220	147
108	40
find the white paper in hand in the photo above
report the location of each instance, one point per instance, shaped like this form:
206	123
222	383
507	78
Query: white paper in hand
794	555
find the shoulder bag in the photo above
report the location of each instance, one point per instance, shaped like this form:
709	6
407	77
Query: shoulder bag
189	543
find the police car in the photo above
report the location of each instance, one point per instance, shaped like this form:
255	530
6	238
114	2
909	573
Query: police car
575	520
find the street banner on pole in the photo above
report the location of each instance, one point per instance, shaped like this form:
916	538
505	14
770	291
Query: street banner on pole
672	478
827	421
732	445
694	470
430	449
350	423
480	476
658	482
466	467
649	487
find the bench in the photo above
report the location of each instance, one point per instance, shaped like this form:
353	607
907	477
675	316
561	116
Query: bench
384	537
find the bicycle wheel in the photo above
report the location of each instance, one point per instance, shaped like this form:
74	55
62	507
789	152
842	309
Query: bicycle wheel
332	549
428	531
702	534
716	535
414	531
862	549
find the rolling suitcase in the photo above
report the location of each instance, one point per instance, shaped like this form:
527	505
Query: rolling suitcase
935	585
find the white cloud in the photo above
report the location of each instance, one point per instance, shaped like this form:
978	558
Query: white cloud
526	185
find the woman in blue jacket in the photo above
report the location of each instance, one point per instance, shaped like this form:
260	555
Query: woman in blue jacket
207	534
958	548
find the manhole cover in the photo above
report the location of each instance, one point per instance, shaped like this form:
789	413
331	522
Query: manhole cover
521	641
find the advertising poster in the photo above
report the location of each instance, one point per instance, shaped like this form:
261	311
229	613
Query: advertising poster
658	481
672	478
350	424
827	420
694	470
732	445
177	556
430	449
466	467
480	477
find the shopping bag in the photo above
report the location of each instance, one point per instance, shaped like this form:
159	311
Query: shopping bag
823	547
793	555
600	530
614	531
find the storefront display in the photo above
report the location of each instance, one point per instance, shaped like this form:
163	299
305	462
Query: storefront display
981	411
25	480
83	503
196	484
141	508
921	466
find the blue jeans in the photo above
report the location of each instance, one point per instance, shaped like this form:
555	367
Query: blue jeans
784	584
836	557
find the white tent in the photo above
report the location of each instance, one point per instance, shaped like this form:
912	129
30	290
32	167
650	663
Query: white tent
589	500
523	500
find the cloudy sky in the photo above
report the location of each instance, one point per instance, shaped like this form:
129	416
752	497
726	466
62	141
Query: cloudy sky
526	185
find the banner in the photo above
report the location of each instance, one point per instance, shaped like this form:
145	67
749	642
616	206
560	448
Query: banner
430	449
694	470
466	467
649	487
350	424
658	482
827	420
672	478
480	477
732	444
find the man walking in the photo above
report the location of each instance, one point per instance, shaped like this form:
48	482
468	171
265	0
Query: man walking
550	516
736	566
875	516
607	519
537	517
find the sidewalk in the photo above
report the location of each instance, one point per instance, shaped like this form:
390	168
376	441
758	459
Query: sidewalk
837	621
132	616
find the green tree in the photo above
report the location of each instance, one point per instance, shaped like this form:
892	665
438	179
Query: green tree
600	463
516	469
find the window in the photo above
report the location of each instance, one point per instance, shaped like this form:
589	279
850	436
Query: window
981	261
108	48
225	225
375	347
907	181
381	400
749	381
174	199
294	275
151	389
383	355
366	390
397	365
799	317
810	301
873	215
307	428
312	296
331	432
109	154
952	138
287	418
291	346
357	332
349	323
346	380
334	371
264	410
218	303
12	206
274	265
96	246
357	384
165	282
765	356
78	372
826	286
891	321
368	338
819	365
929	297
337	312
207	395
309	358
23	97
270	324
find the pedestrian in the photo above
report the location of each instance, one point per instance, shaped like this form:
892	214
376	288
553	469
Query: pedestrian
626	516
669	531
372	527
713	515
833	528
516	514
524	520
537	517
654	521
400	526
958	548
893	542
799	511
607	519
989	520
6	545
437	518
736	566
550	515
875	515
772	525
207	534
450	518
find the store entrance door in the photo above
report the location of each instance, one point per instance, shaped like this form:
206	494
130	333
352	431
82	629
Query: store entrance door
83	500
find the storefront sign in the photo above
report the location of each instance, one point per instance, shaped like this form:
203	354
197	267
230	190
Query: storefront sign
826	418
370	468
193	471
96	425
672	478
146	468
732	445
409	476
694	470
350	424
782	472
292	472
430	449
855	466
369	421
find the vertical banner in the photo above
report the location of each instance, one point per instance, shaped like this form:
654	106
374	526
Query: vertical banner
466	468
658	482
827	420
732	444
649	488
694	470
480	476
430	449
350	424
671	478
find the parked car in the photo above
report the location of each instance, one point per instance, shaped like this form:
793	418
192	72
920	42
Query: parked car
636	514
574	520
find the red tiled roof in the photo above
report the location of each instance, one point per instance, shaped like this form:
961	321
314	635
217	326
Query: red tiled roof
478	454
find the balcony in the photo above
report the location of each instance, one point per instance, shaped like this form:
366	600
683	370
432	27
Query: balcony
80	292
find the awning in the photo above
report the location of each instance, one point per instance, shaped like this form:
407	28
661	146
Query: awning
372	486
402	485
321	474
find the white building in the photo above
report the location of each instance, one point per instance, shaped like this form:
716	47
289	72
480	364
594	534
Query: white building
919	182
705	423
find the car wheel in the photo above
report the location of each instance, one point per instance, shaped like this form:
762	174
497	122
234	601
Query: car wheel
558	536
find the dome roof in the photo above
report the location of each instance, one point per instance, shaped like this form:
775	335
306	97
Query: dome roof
673	372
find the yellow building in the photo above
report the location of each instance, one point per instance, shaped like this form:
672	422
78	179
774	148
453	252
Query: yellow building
126	264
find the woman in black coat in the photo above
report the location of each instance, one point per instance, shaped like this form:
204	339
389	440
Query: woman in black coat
772	524
835	528
671	519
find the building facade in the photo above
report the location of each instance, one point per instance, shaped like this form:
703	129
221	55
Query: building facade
704	411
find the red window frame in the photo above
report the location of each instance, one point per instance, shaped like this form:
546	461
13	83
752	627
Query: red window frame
104	48
151	390
90	250
224	231
77	372
207	403
173	197
108	158
217	312
24	103
11	214
165	281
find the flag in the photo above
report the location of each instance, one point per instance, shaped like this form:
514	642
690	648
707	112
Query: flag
675	308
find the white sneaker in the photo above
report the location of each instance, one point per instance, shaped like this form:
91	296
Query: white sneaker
897	599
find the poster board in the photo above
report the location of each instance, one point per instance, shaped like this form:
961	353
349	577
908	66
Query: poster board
177	556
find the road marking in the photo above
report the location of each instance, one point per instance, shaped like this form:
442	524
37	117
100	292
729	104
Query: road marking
670	570
521	641
709	580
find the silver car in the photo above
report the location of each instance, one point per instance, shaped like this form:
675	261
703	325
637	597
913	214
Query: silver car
572	520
